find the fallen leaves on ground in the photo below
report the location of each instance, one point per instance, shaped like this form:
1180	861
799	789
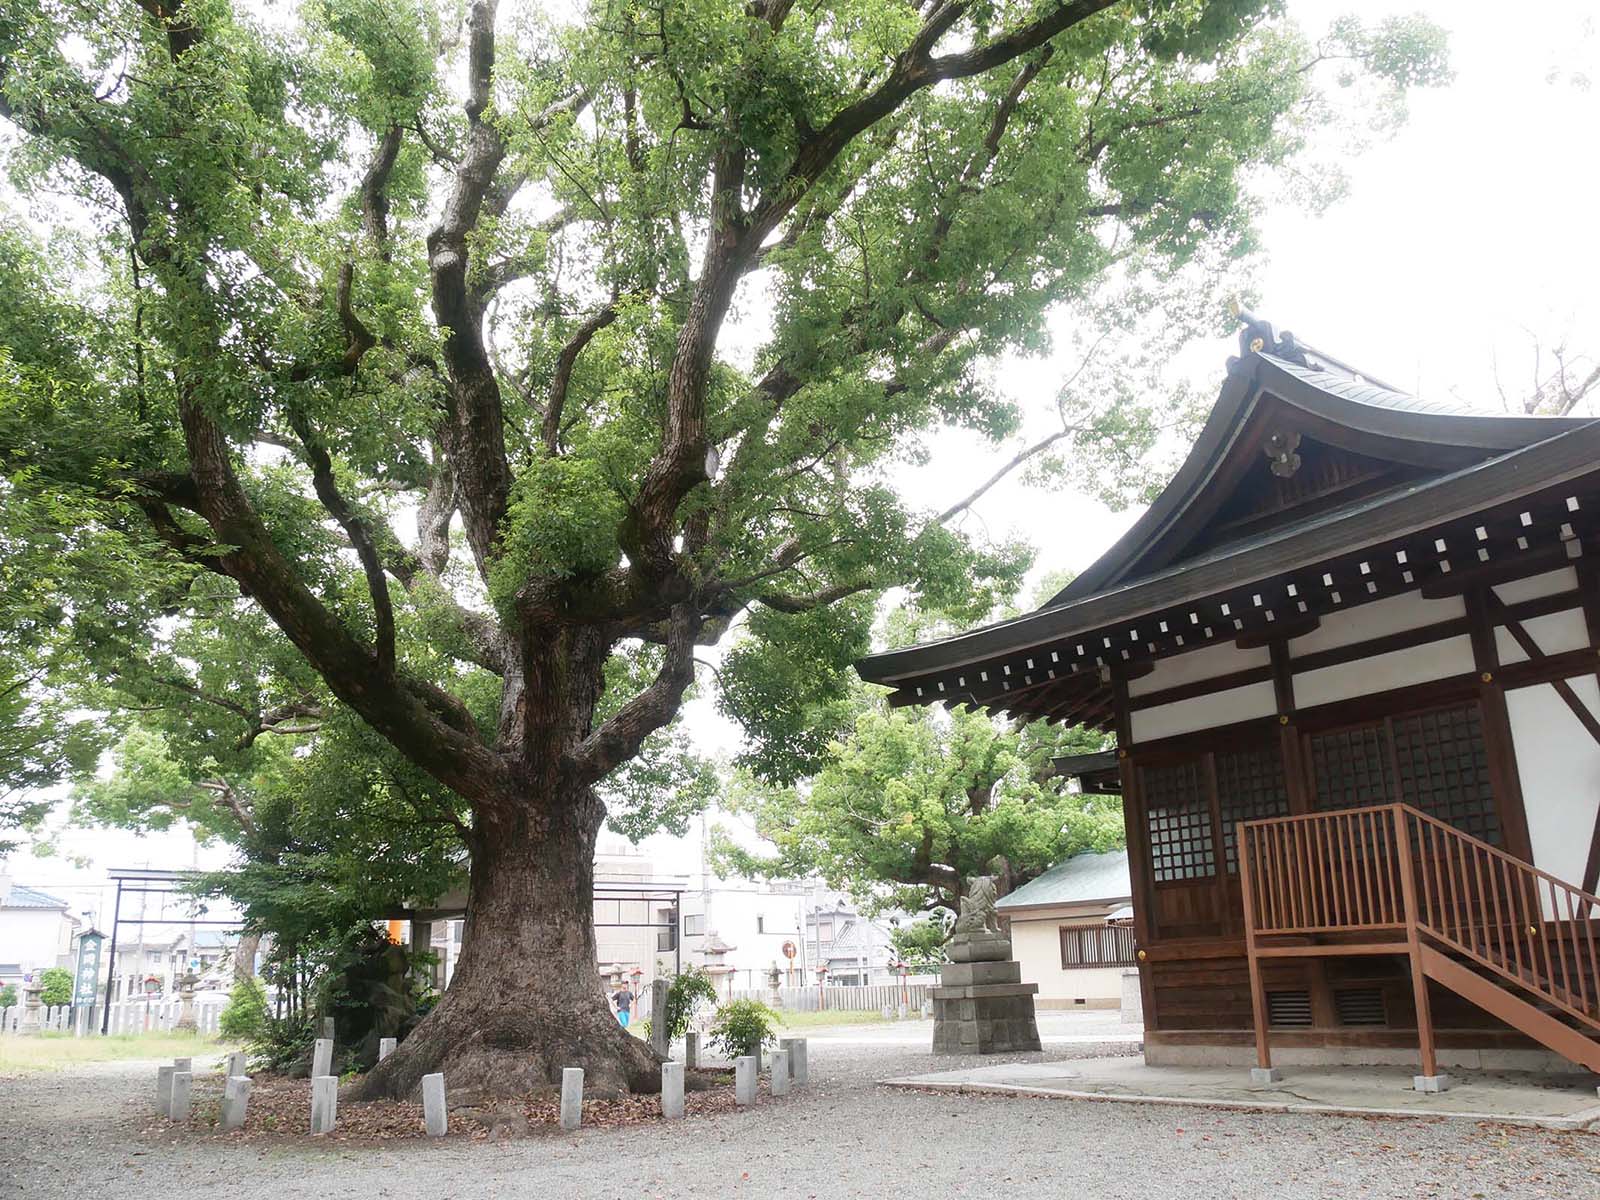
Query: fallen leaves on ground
281	1108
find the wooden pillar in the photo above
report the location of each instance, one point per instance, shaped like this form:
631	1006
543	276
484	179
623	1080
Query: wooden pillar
1258	994
1589	594
1140	882
1419	981
1497	744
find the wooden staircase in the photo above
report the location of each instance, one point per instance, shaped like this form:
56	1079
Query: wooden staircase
1512	939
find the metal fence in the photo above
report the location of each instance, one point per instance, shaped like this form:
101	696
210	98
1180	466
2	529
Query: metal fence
870	998
128	1017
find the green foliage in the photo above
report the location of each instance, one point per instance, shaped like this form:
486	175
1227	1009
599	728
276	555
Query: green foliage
282	1043
907	804
372	990
8	995
920	944
275	293
686	994
245	1015
743	1027
56	983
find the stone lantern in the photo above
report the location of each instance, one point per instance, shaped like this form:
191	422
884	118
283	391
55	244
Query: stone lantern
186	1022
32	989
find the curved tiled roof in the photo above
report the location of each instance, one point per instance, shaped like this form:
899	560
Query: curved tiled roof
1078	880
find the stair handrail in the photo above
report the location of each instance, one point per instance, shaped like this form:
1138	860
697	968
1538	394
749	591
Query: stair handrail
1515	897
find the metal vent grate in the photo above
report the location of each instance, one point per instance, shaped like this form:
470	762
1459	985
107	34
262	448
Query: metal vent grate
1360	1006
1292	1009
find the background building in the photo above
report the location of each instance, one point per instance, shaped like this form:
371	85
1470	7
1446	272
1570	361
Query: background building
1062	931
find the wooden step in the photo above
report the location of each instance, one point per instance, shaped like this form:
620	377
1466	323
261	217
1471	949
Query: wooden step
1496	1000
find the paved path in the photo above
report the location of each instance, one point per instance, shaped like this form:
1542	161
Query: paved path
843	1138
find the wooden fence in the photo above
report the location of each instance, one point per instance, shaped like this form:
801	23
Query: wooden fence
129	1017
870	998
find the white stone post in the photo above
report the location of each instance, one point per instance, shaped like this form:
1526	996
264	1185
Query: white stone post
744	1079
324	1104
235	1065
571	1098
235	1100
385	1048
672	1106
691	1050
327	1028
780	1073
322	1057
183	1064
182	1095
164	1089
799	1071
434	1116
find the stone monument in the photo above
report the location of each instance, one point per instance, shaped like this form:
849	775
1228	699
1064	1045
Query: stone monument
981	1005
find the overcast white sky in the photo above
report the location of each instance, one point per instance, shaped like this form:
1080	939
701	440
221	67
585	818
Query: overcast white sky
1467	236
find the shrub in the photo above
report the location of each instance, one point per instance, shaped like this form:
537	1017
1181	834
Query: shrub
246	1010
687	992
281	1043
8	995
743	1027
57	984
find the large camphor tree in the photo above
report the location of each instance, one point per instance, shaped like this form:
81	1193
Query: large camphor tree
496	358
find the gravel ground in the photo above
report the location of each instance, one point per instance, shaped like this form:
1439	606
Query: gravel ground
80	1133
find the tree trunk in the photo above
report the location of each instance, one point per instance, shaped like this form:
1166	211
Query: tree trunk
526	998
244	956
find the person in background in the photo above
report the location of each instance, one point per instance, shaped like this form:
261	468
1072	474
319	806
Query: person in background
623	999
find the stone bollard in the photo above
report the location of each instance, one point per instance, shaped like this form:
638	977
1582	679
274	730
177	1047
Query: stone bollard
434	1116
324	1104
888	1012
235	1065
322	1057
164	1089
780	1073
327	1028
571	1098
184	1064
798	1068
182	1095
691	1050
744	1080
385	1048
235	1100
672	1106
900	1013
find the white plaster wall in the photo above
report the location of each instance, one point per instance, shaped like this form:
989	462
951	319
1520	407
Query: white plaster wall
1549	584
1204	712
1377	619
1552	633
1194	665
1037	946
1559	767
1400	668
34	938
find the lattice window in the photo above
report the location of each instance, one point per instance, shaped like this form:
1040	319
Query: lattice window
1097	946
1250	787
1444	769
1179	811
1350	767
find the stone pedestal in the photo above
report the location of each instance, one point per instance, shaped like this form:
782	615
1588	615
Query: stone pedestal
981	1005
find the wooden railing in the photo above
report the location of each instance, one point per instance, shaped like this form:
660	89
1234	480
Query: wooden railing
1391	867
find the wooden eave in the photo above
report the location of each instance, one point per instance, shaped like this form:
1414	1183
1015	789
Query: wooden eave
1530	509
1265	393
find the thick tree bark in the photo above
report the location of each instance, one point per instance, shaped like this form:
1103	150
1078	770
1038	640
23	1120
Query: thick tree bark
526	999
